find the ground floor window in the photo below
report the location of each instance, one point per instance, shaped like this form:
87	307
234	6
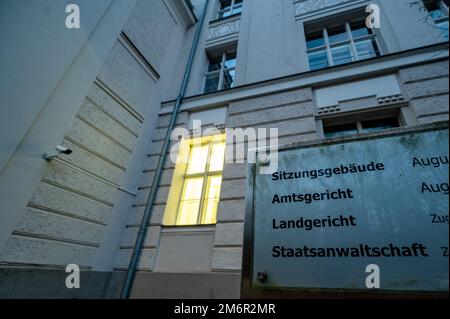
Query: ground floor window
196	185
363	126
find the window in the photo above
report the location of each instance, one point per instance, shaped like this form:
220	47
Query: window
438	11
199	188
367	126
229	7
221	73
340	44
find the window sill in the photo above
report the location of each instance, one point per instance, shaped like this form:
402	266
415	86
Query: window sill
188	229
348	63
226	89
225	19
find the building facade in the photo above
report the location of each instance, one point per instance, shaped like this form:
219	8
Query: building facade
111	90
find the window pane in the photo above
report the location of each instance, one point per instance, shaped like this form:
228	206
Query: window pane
318	60
315	40
342	55
212	83
214	65
228	79
190	201
359	29
225	4
197	159
224	13
188	213
340	130
437	14
367	49
337	34
443	28
434	9
379	125
217	157
211	200
237	9
230	61
228	13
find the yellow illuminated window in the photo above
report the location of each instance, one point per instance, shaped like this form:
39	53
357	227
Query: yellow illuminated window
202	181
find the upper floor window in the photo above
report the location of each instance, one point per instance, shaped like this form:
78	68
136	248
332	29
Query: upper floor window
221	73
229	7
340	44
439	12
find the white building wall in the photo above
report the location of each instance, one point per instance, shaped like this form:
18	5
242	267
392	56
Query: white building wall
74	209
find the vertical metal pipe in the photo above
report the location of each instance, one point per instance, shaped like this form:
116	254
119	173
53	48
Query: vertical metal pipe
162	157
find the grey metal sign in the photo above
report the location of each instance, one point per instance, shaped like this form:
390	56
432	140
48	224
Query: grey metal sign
331	210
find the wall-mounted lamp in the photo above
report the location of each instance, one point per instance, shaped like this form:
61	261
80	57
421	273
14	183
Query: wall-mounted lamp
61	150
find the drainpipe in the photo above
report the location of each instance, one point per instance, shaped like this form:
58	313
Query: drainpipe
162	157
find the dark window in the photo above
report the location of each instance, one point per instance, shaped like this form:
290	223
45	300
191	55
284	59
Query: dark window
229	7
439	12
337	34
340	44
214	64
340	130
359	29
356	127
315	40
379	125
212	83
221	73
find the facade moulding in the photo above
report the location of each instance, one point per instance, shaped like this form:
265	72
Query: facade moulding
307	8
181	10
223	31
387	64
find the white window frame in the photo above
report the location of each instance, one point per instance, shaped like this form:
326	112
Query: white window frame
204	175
351	42
232	8
221	73
444	8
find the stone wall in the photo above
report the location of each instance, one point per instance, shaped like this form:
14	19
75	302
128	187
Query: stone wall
427	88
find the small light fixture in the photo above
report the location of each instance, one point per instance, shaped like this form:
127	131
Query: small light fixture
60	150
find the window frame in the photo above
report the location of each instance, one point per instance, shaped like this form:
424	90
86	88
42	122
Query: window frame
358	125
221	72
350	42
233	8
205	175
445	18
